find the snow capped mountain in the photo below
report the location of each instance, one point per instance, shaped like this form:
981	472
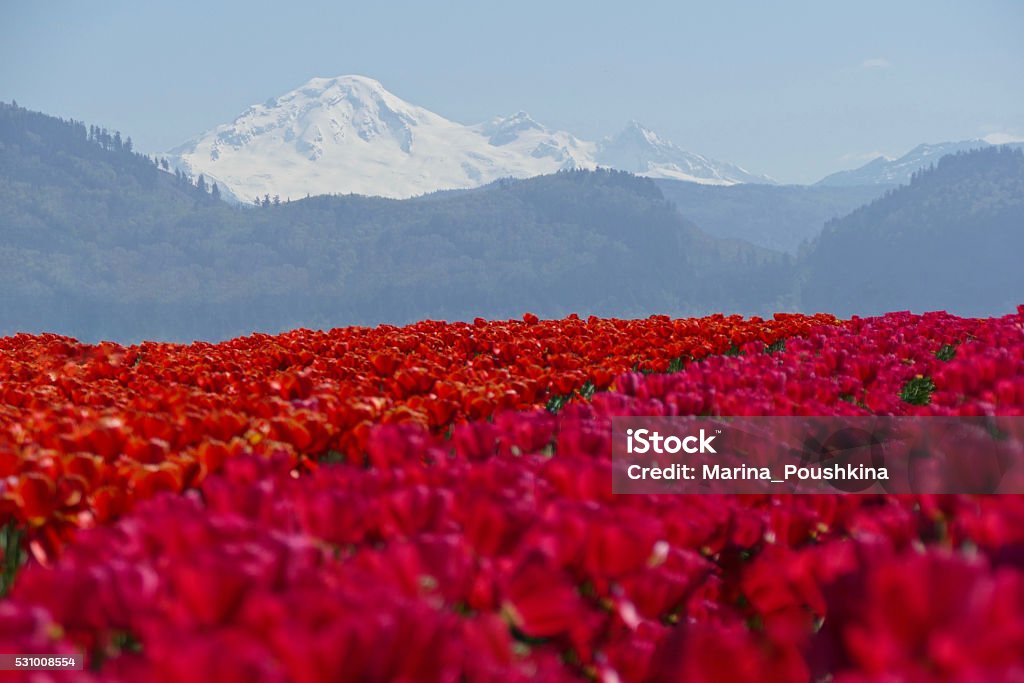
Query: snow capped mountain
522	135
639	150
885	171
349	135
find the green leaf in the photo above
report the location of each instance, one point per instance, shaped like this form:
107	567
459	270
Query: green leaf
918	391
332	456
556	403
587	390
14	555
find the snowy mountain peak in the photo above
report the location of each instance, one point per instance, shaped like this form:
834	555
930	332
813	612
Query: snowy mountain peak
354	89
350	80
349	134
640	150
520	117
505	129
885	171
636	130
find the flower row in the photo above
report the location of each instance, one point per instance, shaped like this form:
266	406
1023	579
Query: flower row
66	464
85	431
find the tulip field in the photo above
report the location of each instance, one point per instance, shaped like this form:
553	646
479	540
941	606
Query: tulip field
434	503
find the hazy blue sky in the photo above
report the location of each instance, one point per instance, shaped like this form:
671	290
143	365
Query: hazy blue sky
792	89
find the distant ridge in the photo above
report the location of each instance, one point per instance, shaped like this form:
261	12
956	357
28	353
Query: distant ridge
885	171
949	240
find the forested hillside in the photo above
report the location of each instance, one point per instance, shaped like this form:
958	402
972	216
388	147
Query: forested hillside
952	239
781	217
98	242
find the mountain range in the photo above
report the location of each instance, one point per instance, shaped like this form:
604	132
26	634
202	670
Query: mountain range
349	135
892	172
96	241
